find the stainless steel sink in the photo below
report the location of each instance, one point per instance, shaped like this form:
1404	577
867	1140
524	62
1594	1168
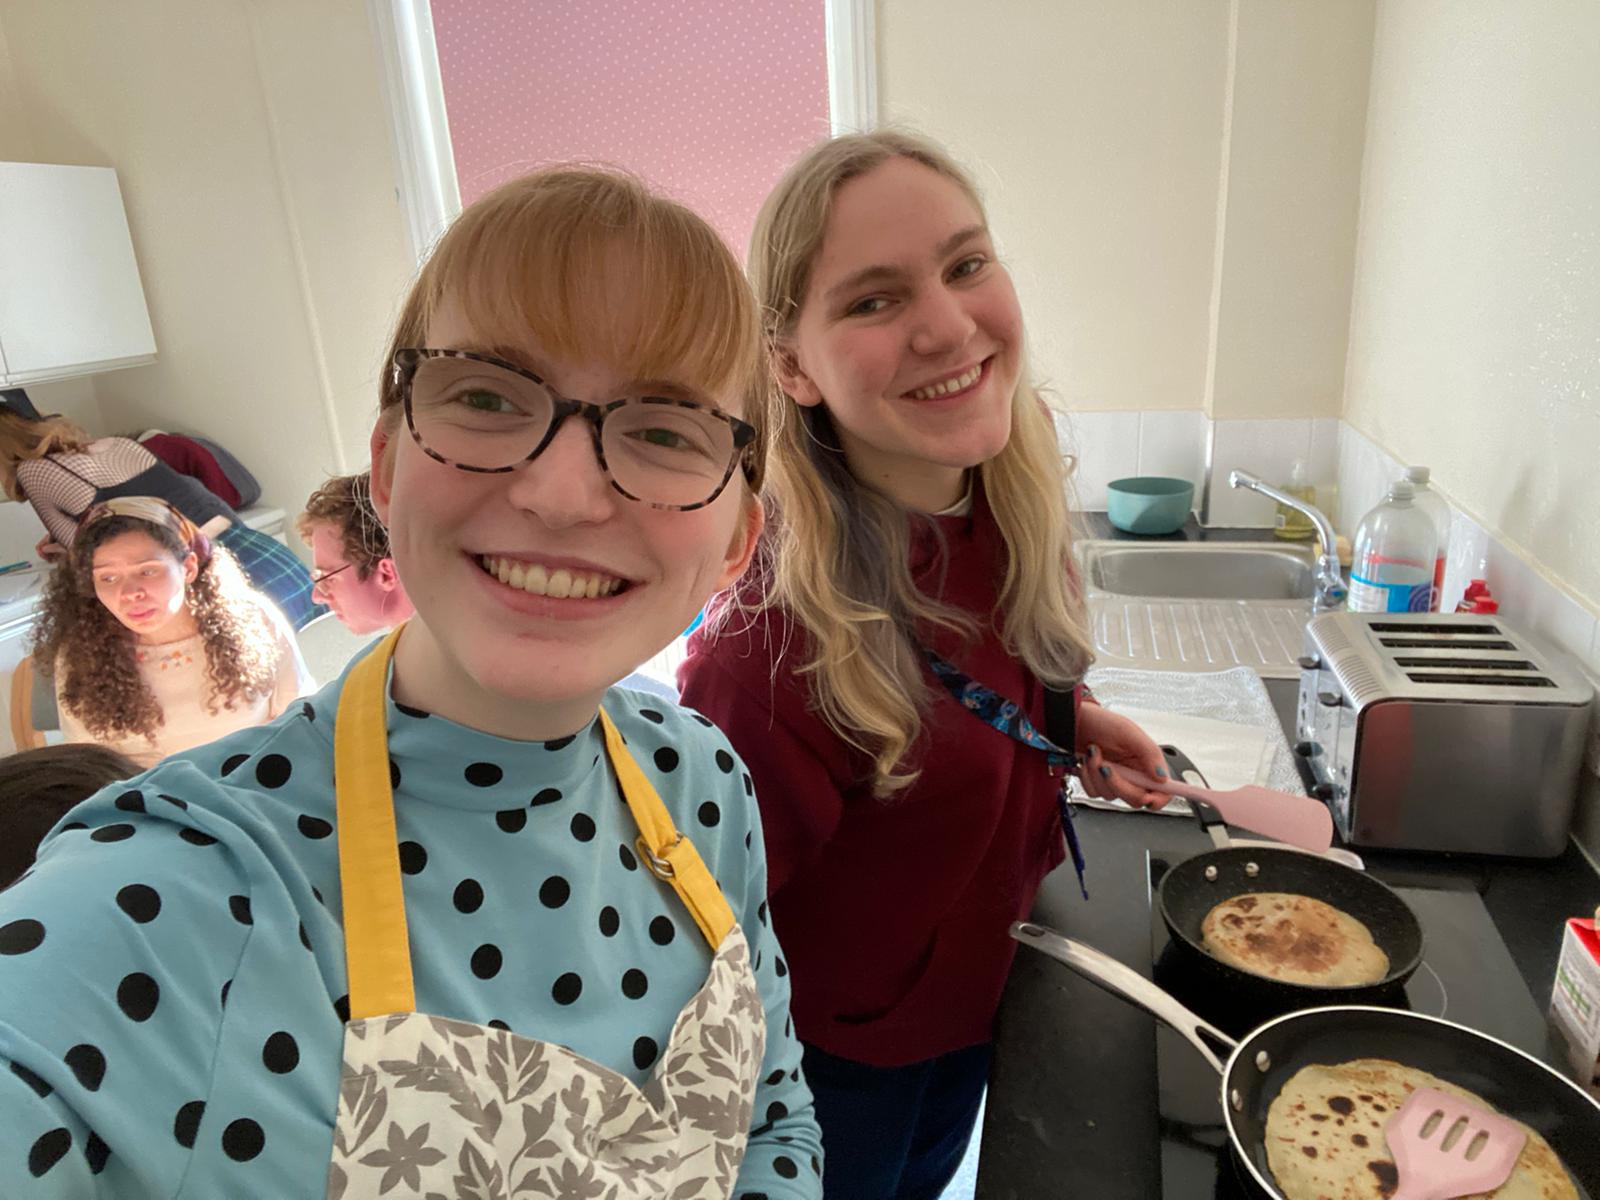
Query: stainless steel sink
1200	570
1198	606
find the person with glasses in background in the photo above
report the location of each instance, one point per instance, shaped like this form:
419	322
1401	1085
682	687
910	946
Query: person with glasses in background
470	920
352	571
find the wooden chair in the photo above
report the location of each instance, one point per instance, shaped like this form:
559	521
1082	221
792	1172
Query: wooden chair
28	722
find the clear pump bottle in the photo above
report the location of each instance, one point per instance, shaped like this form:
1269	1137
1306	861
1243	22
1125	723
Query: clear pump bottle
1430	502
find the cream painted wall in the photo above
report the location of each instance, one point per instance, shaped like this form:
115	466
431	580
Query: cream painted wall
1095	131
1475	328
252	143
1290	193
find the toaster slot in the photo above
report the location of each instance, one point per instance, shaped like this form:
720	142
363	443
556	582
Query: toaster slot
1488	680
1464	664
1446	628
1436	643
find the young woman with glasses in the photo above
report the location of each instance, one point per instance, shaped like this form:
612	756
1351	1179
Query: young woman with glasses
884	669
470	921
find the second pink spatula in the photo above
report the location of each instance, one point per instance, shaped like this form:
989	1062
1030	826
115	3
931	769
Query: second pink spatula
1297	820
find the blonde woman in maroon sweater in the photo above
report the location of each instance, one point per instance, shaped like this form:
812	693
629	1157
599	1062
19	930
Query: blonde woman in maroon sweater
918	551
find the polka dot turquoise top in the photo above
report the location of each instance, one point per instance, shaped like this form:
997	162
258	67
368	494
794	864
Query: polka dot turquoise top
172	974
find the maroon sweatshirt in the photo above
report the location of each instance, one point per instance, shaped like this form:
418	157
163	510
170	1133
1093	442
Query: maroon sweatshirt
893	914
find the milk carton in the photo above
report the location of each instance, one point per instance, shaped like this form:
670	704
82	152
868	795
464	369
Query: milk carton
1575	1001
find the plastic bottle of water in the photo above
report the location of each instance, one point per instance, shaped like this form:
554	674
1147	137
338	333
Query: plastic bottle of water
1430	502
1395	549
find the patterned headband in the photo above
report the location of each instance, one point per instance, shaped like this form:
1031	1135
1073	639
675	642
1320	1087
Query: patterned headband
153	512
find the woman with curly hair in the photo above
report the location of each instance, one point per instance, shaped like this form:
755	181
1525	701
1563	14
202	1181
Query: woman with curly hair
155	640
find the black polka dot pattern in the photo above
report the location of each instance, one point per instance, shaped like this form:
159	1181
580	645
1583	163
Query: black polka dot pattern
413	858
88	1065
47	1151
273	771
281	1053
195	838
96	1153
314	828
709	815
724	762
635	984
232	763
583	828
554	892
415	714
486	961
662	931
186	1124
785	1166
39	1086
137	996
651	715
545	796
21	937
239	906
666	759
645	1053
629	862
130	802
483	774
511	820
468	896
567	989
610	922
112	833
243	1139
140	902
561	743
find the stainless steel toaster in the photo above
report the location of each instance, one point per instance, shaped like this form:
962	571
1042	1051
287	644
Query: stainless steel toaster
1442	731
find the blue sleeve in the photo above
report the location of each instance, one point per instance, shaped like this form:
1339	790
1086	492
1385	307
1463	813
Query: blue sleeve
114	950
783	1160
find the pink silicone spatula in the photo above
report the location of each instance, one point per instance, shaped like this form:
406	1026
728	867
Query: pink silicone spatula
1432	1165
1298	820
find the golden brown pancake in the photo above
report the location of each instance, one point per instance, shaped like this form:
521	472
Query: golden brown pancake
1325	1136
1294	939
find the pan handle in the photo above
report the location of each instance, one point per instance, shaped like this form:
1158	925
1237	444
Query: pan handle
1119	980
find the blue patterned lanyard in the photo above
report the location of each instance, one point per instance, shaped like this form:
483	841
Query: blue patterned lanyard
994	709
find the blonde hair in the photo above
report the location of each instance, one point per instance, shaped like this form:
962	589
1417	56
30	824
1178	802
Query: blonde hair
836	553
545	253
22	439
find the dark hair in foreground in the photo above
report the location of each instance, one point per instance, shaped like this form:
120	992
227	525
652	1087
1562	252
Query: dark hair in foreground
38	787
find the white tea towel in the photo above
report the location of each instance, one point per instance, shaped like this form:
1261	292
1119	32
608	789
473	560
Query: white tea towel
1227	755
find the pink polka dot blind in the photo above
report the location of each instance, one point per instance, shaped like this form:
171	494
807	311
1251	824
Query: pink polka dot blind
708	100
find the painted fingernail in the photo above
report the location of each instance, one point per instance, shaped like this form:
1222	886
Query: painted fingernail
1105	772
1160	774
1094	751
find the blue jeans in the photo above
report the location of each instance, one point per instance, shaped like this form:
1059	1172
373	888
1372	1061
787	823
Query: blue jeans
895	1133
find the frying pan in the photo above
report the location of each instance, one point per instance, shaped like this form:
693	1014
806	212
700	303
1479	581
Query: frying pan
1192	888
1255	1068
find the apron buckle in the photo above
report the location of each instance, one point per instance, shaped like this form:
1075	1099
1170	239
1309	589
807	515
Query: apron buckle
659	867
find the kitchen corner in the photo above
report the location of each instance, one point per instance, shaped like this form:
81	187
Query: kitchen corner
1081	1099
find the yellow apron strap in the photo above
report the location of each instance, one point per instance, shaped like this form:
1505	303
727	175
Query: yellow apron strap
376	948
669	855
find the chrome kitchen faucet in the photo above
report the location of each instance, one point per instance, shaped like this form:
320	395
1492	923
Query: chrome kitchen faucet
1328	590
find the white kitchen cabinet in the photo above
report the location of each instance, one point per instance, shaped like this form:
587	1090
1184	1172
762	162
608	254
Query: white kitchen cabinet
71	302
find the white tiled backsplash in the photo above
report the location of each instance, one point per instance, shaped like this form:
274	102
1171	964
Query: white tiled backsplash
1351	474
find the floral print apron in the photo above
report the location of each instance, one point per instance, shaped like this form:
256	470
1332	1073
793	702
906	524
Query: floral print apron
452	1109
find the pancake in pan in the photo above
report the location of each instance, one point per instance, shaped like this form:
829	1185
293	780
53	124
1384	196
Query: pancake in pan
1325	1135
1294	939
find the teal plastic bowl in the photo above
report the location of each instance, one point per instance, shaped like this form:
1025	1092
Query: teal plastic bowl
1149	504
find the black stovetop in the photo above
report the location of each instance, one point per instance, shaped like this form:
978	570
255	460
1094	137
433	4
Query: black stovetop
1467	975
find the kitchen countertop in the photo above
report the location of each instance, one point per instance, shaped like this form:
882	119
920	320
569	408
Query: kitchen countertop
1072	1094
